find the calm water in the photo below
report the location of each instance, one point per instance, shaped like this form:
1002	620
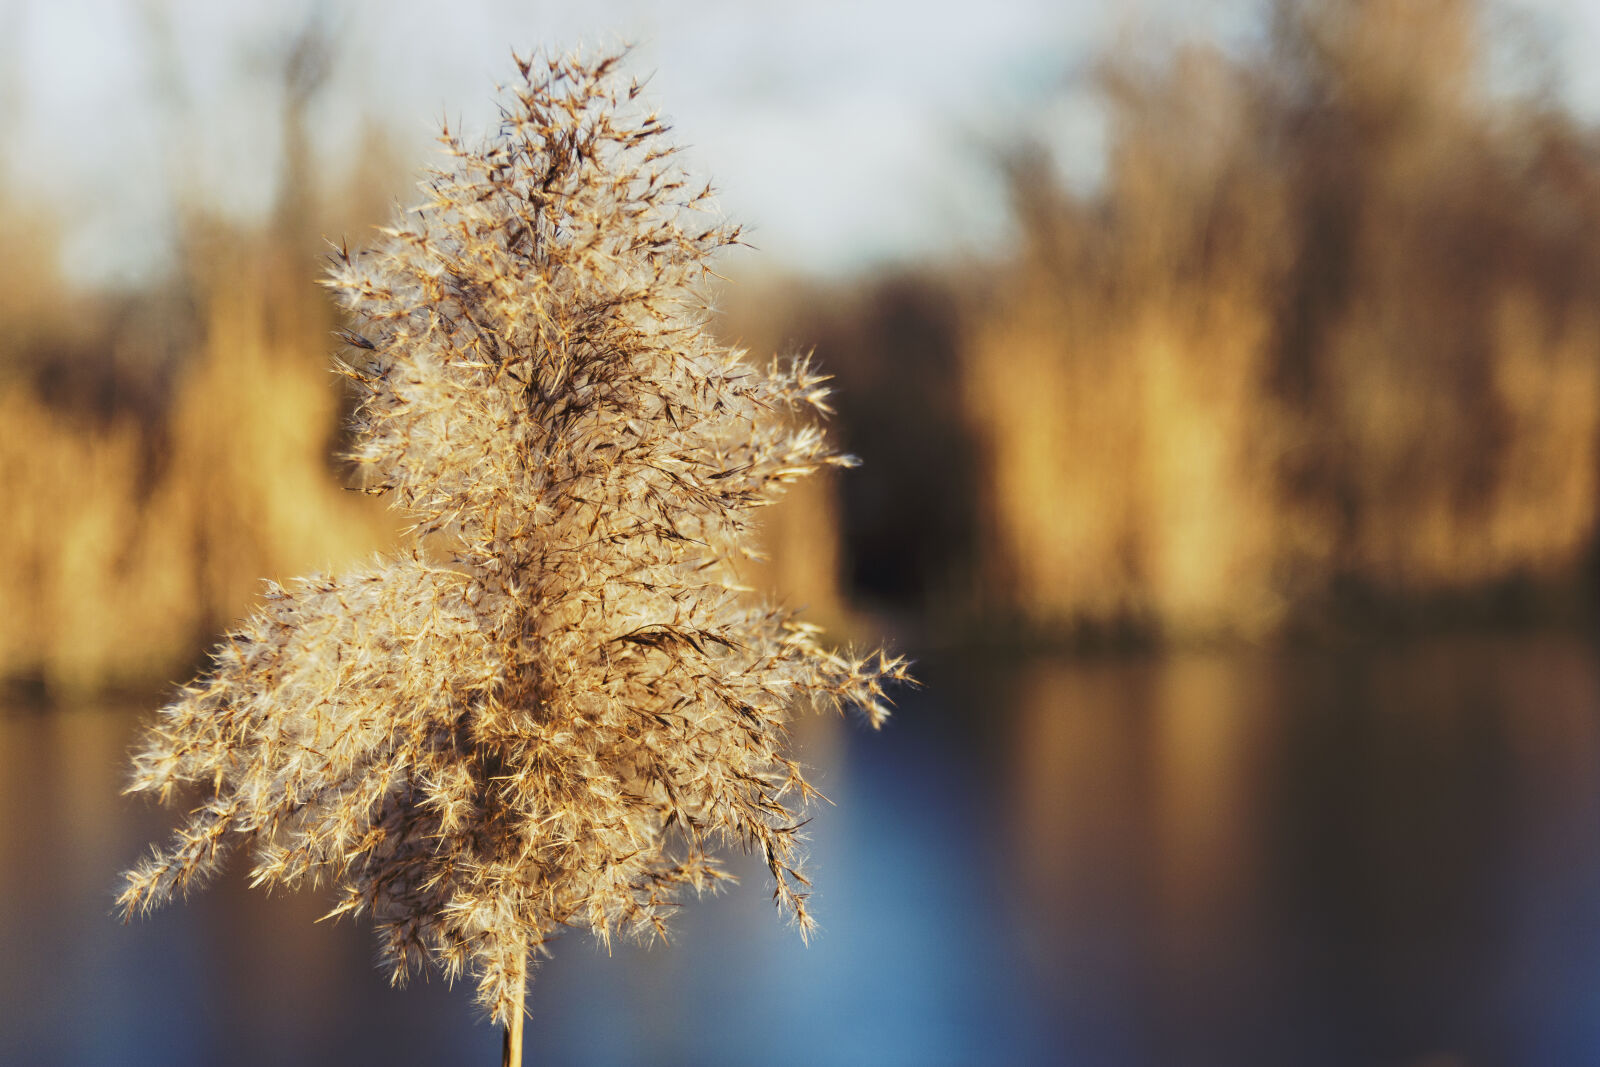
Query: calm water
1329	858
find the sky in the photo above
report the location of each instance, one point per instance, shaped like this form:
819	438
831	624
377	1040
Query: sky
843	133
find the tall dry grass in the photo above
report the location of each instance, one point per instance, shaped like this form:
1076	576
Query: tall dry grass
1322	348
160	450
1327	341
165	446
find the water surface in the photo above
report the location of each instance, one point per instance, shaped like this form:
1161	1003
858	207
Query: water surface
1357	857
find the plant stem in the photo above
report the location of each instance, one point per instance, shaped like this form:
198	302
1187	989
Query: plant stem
511	1051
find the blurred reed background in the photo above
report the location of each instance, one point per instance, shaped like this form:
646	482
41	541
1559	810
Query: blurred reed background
1319	356
1319	353
1323	351
168	446
1314	362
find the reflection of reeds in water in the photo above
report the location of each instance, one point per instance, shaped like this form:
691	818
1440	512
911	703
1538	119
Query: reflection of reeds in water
1329	329
1203	842
1134	778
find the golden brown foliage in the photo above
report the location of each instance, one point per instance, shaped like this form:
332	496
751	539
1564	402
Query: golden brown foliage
159	466
165	446
547	710
1330	331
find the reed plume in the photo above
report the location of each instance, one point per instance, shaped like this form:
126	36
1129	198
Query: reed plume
555	703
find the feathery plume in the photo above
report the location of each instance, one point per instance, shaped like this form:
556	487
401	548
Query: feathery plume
552	706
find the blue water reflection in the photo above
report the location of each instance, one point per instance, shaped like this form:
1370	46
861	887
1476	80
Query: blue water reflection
1355	857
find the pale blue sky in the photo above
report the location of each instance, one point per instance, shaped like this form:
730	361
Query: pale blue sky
844	132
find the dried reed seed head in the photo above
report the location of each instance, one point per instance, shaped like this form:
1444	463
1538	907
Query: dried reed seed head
548	710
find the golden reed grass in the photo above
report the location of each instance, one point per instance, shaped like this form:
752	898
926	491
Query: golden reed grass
1327	337
142	513
549	709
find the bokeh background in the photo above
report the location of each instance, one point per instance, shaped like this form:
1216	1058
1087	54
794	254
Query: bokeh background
1227	377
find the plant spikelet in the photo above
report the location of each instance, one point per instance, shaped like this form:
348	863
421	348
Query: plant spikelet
551	707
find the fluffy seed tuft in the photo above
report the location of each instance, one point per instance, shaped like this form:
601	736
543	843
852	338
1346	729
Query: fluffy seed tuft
550	709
